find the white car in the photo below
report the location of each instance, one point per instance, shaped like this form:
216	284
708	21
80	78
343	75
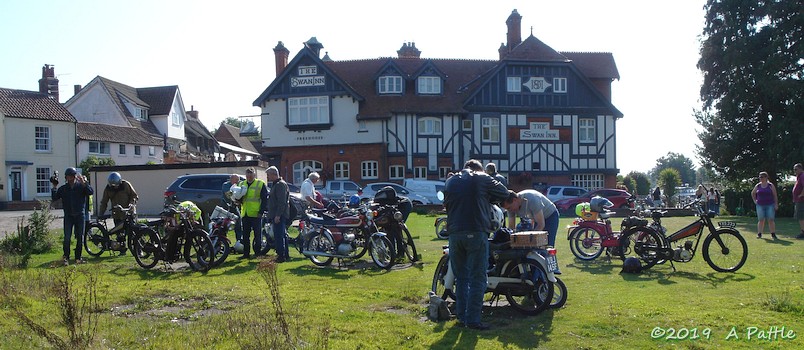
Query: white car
427	188
402	191
556	193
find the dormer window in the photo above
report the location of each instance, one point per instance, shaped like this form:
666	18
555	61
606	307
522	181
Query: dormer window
141	113
390	85
429	85
175	118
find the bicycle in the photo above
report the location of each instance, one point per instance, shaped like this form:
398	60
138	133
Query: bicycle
724	249
149	248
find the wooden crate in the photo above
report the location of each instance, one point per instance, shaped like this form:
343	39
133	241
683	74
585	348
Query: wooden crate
529	239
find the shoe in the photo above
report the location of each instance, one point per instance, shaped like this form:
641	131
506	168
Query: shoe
800	236
479	326
759	235
65	261
80	261
122	253
773	234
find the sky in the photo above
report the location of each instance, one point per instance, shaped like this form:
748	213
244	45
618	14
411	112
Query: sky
220	54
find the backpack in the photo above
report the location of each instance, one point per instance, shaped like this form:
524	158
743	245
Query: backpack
297	207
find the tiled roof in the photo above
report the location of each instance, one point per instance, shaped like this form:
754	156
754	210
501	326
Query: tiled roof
159	99
119	90
231	135
116	134
32	105
535	50
595	65
193	127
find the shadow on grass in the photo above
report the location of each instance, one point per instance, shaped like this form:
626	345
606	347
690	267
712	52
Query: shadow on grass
711	278
499	316
602	265
782	242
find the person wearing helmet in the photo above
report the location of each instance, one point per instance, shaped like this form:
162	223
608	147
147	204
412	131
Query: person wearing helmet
599	204
467	197
533	205
74	195
231	195
118	192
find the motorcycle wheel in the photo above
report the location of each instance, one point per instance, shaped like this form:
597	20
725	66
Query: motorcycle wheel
441	228
320	242
730	256
198	251
221	248
537	295
361	244
95	239
646	243
145	246
438	287
585	243
266	242
382	251
410	246
559	294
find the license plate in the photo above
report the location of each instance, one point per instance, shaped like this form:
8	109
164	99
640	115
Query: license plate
552	263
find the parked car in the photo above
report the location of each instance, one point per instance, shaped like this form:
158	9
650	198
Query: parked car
620	199
202	189
426	188
372	188
557	193
336	189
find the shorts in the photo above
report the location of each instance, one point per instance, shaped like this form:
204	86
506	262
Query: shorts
766	212
798	213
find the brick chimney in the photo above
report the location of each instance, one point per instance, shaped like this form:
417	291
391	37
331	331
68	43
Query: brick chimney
409	50
193	114
76	89
49	84
514	23
281	54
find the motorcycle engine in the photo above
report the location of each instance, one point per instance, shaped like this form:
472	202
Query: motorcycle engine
345	248
682	254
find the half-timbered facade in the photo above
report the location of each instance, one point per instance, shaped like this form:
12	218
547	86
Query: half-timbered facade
545	117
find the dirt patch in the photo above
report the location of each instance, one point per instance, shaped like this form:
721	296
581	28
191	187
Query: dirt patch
173	309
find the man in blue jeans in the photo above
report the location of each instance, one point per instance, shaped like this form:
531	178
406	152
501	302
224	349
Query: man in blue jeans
74	196
467	197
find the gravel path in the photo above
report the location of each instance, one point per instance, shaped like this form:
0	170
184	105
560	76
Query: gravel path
9	220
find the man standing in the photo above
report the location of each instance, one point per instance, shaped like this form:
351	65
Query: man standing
491	169
233	203
533	205
468	195
798	198
308	190
278	210
118	192
251	212
74	196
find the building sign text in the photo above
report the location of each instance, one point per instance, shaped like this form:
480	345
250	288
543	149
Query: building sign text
539	131
317	80
537	84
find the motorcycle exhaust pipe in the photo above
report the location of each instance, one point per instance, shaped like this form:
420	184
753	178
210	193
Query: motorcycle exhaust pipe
329	255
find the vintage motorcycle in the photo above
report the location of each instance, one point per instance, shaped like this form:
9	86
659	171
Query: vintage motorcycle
220	222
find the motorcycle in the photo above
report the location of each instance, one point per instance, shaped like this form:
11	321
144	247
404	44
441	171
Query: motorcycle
390	219
220	222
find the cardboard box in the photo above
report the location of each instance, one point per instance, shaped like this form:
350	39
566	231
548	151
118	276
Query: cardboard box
529	239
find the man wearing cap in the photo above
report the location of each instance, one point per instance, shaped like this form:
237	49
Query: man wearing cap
253	205
74	195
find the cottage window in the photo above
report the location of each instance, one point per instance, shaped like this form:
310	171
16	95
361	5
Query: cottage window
43	180
96	147
42	138
420	172
586	130
368	169
303	168
137	151
396	172
588	181
175	119
390	85
429	85
491	129
342	171
122	149
151	151
308	110
429	126
560	85
443	172
514	84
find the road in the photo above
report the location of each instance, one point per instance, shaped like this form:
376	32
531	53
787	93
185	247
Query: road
10	219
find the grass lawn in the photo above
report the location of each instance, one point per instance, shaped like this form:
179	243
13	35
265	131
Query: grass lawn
360	306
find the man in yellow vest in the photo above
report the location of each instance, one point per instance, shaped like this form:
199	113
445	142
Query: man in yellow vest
253	205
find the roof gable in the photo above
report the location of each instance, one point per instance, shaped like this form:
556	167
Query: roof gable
116	134
535	49
159	99
231	134
32	105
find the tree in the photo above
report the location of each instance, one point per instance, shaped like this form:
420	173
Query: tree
237	122
677	161
753	88
668	179
92	161
640	180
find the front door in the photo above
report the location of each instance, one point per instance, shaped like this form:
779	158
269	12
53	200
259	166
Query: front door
16	186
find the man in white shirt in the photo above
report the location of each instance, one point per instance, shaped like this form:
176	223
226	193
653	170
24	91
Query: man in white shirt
308	190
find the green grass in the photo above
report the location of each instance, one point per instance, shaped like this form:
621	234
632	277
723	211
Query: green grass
362	307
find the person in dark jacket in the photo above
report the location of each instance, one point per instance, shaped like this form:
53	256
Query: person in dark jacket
491	169
467	198
74	195
278	211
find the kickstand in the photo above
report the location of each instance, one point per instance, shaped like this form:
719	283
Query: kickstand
673	265
495	298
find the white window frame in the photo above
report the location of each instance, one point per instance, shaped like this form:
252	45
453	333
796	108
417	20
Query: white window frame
151	151
341	170
390	84
560	85
514	84
429	85
303	168
368	169
396	172
174	118
588	181
587	132
420	172
99	148
42	138
43	180
490	131
121	149
443	171
361	126
429	126
311	110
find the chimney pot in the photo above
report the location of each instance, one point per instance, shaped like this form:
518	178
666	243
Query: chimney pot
281	56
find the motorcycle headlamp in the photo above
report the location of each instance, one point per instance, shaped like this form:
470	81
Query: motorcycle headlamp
398	215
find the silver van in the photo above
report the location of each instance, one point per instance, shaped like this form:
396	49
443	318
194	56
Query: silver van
426	188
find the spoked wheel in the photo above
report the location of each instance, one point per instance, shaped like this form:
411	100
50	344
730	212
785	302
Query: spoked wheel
198	251
535	292
410	246
441	228
361	244
439	287
146	247
95	239
725	251
559	294
266	242
221	248
320	243
644	243
382	251
586	243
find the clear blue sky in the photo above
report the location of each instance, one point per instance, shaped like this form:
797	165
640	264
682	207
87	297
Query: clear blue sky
220	53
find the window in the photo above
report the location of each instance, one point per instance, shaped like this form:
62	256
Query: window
420	172
590	181
429	85
491	130
137	150
122	150
560	85
390	85
586	130
443	172
96	147
43	181
396	172
429	126
514	84
174	118
151	151
368	169
303	168
308	110
141	113
342	171
361	126
42	138
466	125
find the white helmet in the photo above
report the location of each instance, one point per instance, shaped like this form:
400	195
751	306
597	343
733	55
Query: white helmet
238	247
237	192
497	217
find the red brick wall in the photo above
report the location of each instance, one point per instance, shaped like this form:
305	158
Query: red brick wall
329	155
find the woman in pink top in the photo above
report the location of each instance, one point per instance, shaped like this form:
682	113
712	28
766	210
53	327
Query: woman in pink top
764	195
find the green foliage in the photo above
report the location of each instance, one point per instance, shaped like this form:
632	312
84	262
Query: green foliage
641	180
33	238
668	180
684	166
630	184
752	91
91	161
